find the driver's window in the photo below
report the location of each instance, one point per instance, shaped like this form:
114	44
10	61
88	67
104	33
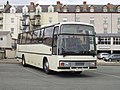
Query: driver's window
56	30
55	40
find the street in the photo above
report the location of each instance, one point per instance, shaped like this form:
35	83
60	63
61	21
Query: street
17	77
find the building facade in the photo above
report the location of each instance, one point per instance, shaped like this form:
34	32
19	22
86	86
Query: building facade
105	18
1	17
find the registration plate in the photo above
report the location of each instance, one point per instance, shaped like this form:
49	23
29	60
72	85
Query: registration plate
79	64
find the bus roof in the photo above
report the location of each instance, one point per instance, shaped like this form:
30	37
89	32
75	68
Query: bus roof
76	23
61	23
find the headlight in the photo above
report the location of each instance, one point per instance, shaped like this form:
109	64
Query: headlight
64	64
92	64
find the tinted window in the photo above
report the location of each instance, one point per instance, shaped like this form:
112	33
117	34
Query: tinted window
48	33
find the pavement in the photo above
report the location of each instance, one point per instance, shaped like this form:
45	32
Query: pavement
9	61
104	63
99	62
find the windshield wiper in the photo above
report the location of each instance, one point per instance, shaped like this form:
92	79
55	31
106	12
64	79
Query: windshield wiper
87	52
69	53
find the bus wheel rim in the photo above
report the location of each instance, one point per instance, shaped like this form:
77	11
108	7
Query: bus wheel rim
23	62
46	66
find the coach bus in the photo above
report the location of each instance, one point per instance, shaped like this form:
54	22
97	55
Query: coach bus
65	46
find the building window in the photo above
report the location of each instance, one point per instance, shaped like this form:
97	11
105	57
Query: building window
118	9
38	10
104	40
77	19
25	10
50	8
91	8
77	9
105	9
118	22
105	24
12	30
116	40
105	20
12	20
91	20
105	30
118	30
65	9
12	9
50	19
65	19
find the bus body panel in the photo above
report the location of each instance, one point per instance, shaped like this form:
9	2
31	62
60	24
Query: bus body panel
35	55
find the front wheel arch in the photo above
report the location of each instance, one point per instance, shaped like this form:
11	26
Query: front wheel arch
46	66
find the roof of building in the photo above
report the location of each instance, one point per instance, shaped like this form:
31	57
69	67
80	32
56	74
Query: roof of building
71	8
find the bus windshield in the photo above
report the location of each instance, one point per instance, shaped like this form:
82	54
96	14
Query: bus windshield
77	29
76	40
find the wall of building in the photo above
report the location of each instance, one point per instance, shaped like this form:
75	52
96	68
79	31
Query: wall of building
115	25
98	18
49	17
63	17
12	21
6	41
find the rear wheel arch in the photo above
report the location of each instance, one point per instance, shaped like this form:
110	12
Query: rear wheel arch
23	60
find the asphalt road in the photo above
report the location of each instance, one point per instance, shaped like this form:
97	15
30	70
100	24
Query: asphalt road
16	77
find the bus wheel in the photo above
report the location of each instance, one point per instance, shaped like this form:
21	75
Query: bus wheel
23	61
46	67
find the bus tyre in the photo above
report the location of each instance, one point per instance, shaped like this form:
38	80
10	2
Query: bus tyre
46	67
24	62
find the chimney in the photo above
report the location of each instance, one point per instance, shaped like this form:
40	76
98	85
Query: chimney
32	7
7	7
84	2
58	6
32	3
84	9
7	2
110	7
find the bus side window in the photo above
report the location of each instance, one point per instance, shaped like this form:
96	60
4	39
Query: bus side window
35	36
47	38
41	35
29	37
19	39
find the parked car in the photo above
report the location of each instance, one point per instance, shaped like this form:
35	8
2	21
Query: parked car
113	57
102	55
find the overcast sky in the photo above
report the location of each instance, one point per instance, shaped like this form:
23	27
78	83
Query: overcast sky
47	2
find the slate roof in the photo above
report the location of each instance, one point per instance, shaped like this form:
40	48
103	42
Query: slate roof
71	8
